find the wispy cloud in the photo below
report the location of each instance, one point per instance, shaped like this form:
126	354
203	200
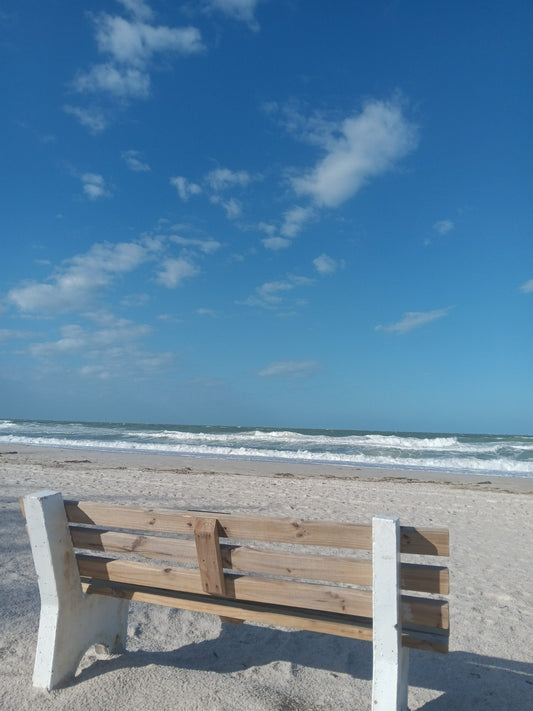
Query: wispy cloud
272	294
325	265
80	281
108	349
207	246
224	178
241	10
7	334
276	243
93	119
134	42
413	320
128	46
231	206
121	82
290	369
138	8
214	184
527	287
272	241
295	219
185	188
134	162
174	271
443	226
75	338
357	149
94	186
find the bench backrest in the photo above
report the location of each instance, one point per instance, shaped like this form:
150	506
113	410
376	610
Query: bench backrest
322	567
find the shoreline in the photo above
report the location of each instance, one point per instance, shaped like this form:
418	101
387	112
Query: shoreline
109	459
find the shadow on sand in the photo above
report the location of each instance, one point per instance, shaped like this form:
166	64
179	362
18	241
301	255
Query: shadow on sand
465	680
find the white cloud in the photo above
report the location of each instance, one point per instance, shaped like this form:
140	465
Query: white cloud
134	43
184	187
224	178
174	271
414	319
241	10
129	46
95	371
325	265
276	243
133	300
271	294
443	226
527	288
232	207
216	182
111	350
361	147
134	162
80	281
207	246
138	8
268	228
121	82
318	129
272	241
92	119
290	369
270	291
94	186
7	334
76	339
295	219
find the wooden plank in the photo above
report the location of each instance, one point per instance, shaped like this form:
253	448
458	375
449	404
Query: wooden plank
209	558
435	612
101	539
316	596
349	570
266	590
248	612
425	578
259	528
424	541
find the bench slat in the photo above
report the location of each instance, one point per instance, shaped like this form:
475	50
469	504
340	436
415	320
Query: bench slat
330	598
350	570
309	620
422	541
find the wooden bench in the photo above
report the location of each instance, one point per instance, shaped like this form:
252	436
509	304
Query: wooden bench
336	578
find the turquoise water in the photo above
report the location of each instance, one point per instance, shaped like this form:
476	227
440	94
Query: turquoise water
504	455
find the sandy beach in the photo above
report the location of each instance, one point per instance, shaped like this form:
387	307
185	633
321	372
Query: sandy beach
182	660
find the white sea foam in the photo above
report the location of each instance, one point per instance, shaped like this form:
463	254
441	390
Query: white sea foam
238	445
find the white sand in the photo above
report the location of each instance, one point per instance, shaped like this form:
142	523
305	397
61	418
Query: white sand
180	660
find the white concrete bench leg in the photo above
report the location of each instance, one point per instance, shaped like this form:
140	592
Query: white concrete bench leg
390	659
70	622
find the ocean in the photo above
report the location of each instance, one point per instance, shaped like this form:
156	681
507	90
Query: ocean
503	455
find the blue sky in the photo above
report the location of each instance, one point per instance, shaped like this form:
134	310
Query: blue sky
275	212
